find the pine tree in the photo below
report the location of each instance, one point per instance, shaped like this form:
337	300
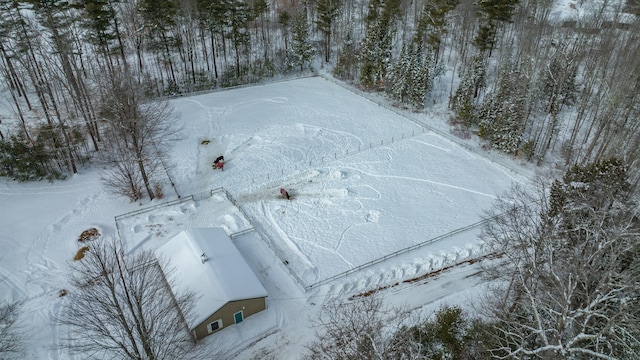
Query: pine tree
425	70
400	77
492	13
301	49
462	102
432	24
502	113
559	84
212	15
100	19
601	186
57	16
160	18
375	55
26	162
238	17
327	12
346	66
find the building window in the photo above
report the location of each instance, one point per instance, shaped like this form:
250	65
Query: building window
214	326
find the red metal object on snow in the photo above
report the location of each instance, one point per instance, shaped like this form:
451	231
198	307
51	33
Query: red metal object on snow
218	163
284	193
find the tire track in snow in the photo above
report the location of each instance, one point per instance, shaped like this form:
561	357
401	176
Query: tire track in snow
328	250
424	181
10	281
433	146
282	235
341	240
53	189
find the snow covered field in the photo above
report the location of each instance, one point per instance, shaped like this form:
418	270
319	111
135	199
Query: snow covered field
366	181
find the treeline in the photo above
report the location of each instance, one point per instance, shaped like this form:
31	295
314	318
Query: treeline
563	284
528	83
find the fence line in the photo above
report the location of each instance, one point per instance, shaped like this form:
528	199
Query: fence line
350	271
193	197
276	252
273	177
262	236
241	232
242	86
153	207
419	122
397	253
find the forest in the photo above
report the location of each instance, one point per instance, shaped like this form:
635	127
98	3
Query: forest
531	83
86	82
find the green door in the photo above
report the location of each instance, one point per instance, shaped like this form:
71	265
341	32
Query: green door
238	317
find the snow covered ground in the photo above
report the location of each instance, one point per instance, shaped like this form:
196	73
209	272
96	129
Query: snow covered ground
367	182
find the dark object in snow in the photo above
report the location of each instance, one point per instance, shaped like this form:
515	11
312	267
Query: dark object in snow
285	194
218	163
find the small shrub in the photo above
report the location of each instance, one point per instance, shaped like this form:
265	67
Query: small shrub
89	234
527	150
80	253
157	189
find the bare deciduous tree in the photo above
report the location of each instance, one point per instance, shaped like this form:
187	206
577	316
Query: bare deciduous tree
11	336
138	138
358	329
569	273
121	173
123	308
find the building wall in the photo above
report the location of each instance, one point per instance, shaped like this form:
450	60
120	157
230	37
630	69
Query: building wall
225	313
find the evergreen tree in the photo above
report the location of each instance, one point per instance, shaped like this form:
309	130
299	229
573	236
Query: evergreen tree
160	18
9	24
412	76
260	10
239	17
327	12
492	13
400	77
432	24
346	66
301	49
559	84
502	114
57	16
425	71
284	20
375	55
26	162
212	15
450	335
462	103
600	187
100	19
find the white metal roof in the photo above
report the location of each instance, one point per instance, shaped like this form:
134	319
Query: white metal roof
220	276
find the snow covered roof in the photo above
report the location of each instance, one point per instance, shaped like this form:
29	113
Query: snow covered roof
219	276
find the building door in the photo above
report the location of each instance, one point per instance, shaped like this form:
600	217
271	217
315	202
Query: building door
238	317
